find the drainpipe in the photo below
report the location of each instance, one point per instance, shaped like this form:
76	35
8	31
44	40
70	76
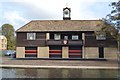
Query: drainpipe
118	55
83	47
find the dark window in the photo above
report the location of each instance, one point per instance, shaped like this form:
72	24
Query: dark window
40	36
101	52
55	52
66	37
101	37
51	36
57	36
55	47
75	51
30	51
30	48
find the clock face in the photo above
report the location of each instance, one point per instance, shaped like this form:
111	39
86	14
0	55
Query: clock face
66	12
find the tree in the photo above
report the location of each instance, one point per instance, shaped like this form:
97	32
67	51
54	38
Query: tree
109	29
114	17
8	31
112	21
0	31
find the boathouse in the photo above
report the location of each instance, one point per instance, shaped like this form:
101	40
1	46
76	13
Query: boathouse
64	39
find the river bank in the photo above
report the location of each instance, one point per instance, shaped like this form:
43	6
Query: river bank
8	62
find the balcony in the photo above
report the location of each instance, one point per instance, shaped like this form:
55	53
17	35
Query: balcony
64	42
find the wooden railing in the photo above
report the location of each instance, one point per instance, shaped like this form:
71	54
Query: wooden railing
64	42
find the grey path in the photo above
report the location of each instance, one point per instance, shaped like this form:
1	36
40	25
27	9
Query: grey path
109	64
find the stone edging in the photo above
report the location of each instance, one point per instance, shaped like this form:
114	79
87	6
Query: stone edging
60	67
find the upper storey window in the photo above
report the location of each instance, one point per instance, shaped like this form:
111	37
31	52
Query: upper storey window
101	36
57	36
75	37
31	36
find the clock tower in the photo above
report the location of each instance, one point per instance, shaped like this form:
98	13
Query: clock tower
66	13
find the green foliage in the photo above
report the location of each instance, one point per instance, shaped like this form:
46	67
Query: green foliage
114	17
0	31
8	31
110	30
119	38
115	11
1	54
111	23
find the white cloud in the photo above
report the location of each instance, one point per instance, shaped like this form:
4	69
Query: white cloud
54	7
14	18
78	7
56	0
51	9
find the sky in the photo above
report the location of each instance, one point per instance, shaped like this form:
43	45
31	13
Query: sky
20	12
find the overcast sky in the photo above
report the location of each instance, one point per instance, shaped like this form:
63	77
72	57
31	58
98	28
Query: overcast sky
20	12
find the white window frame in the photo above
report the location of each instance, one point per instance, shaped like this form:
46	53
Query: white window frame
75	37
101	37
31	36
66	37
57	36
66	14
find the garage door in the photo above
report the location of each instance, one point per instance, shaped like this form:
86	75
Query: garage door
30	51
75	51
55	52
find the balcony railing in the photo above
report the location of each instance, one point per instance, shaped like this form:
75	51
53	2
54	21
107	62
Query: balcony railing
64	42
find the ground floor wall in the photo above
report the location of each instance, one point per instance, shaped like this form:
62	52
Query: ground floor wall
93	52
65	53
110	52
43	52
20	52
87	52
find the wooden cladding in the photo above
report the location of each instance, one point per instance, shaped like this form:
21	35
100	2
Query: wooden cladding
90	41
61	42
41	36
41	41
30	51
30	48
75	51
55	52
22	40
69	34
53	42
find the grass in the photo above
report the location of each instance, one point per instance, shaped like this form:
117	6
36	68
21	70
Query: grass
1	54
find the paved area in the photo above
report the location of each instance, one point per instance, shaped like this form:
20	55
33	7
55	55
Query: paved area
7	61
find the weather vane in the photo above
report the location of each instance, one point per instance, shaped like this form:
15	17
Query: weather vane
67	4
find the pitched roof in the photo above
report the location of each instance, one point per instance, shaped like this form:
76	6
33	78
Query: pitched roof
61	25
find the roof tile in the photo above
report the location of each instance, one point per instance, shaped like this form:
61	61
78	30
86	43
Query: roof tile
61	25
